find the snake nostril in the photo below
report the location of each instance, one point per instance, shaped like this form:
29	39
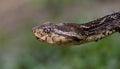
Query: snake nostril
33	30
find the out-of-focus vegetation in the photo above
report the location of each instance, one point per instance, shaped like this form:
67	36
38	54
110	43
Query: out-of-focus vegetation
19	49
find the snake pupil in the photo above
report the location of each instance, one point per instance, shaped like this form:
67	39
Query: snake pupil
77	39
47	30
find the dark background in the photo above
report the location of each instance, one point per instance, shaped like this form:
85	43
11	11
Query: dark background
19	49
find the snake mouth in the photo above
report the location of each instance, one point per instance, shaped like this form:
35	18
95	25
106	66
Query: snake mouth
37	37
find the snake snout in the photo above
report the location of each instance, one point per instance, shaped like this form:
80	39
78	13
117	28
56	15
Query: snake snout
33	30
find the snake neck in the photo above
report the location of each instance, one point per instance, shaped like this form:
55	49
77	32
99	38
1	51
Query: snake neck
102	27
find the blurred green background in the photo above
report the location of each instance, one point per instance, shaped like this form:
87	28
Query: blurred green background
19	49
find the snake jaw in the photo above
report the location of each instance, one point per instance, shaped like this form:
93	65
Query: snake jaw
50	38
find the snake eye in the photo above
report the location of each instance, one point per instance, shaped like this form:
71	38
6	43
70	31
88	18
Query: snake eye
47	30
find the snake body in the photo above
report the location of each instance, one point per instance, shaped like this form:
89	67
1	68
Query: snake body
75	34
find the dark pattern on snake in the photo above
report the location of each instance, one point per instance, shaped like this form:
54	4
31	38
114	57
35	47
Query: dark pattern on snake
75	34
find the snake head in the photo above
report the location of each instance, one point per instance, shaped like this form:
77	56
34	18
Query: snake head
47	33
57	34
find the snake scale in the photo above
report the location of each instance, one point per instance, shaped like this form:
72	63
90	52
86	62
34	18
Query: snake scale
75	34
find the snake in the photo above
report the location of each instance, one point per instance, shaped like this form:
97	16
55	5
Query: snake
67	34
